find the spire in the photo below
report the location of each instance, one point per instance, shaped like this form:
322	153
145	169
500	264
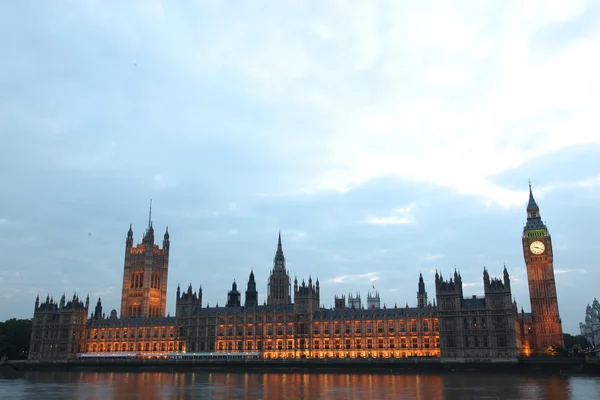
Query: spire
534	220
531	205
150	216
279	261
421	284
130	231
167	233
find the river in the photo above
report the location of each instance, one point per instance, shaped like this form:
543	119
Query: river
265	386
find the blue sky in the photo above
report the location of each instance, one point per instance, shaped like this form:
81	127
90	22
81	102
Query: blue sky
384	139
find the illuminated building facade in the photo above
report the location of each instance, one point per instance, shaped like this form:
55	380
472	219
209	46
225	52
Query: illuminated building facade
538	253
302	328
293	324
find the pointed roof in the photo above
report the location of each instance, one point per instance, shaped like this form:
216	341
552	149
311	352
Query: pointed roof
279	248
534	219
279	260
531	205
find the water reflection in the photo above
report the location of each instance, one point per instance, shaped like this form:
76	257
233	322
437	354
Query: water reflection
252	386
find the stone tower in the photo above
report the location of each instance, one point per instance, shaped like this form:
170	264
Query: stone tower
538	254
340	302
449	295
421	293
279	281
145	274
188	303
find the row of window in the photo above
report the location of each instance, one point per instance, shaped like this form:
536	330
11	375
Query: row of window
131	335
337	329
108	347
327	344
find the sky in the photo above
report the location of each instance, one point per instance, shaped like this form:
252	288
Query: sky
384	139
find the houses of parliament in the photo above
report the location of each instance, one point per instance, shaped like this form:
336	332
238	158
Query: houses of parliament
292	323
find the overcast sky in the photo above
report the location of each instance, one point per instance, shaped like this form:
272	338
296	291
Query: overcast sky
384	139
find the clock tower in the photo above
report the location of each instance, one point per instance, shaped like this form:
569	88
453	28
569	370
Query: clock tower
537	250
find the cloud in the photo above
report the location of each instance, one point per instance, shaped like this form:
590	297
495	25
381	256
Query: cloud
433	257
394	219
472	284
103	292
235	116
567	271
368	277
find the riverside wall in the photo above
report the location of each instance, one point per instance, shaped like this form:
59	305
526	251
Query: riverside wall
553	366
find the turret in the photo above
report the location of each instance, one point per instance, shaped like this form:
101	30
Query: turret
166	241
506	278
421	293
129	240
233	297
340	302
251	292
98	309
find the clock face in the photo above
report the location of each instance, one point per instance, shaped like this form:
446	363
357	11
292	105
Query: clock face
537	247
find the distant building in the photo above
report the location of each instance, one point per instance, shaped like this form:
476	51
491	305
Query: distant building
591	327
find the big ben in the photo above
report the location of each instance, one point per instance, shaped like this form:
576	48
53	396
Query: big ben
537	250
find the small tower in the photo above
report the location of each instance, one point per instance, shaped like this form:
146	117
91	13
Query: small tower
251	292
421	293
306	298
354	302
340	302
98	309
187	304
234	296
373	300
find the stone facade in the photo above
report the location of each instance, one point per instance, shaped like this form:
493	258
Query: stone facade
58	329
477	327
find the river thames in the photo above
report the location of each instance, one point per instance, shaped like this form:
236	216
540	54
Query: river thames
265	386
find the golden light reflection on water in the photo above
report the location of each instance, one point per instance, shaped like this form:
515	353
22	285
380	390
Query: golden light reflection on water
276	386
